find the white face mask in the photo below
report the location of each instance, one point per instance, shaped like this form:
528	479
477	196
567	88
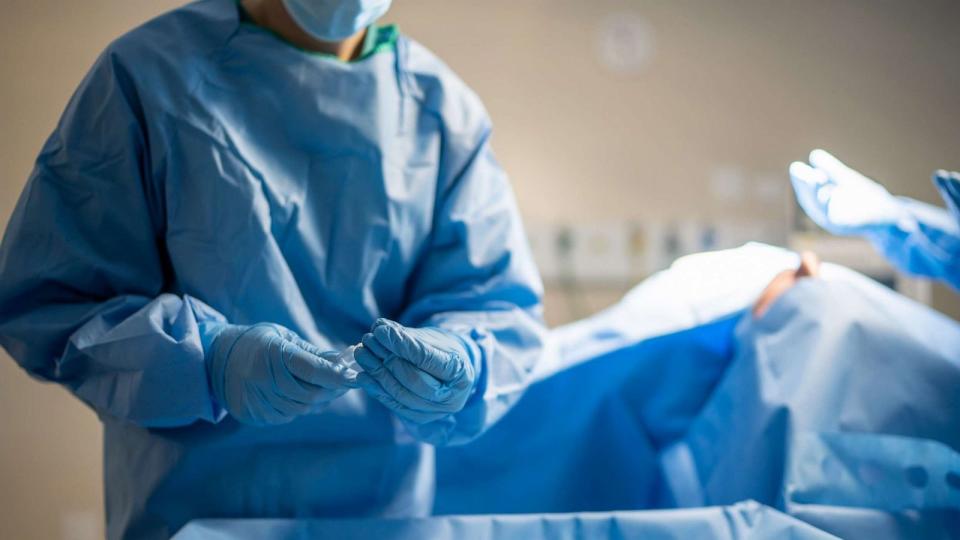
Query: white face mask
335	20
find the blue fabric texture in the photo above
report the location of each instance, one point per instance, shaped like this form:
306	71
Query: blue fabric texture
736	522
207	173
838	407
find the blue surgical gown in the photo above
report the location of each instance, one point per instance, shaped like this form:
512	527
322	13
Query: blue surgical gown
206	170
926	241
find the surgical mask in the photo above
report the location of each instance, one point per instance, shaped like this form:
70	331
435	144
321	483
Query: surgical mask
335	20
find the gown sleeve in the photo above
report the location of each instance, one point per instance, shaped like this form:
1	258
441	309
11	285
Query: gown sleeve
926	241
84	277
478	280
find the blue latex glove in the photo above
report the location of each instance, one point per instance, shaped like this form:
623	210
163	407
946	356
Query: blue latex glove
266	374
840	199
422	374
916	237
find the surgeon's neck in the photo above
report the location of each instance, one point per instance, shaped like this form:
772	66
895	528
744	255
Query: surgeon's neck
273	15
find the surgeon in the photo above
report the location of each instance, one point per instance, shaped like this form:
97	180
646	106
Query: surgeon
916	237
269	244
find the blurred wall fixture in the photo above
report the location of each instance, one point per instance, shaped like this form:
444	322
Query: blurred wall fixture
613	253
625	42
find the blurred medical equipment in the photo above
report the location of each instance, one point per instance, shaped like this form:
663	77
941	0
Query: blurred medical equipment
622	253
193	180
916	237
266	374
334	20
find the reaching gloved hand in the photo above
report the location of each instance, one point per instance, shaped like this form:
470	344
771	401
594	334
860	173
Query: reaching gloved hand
266	374
422	374
916	237
840	199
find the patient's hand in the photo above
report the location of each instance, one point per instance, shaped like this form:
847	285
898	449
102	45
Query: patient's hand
809	267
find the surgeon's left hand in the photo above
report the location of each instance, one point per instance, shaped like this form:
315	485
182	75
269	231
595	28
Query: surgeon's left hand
422	374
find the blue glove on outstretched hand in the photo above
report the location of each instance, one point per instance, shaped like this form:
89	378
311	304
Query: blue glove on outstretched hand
916	237
266	374
840	199
422	374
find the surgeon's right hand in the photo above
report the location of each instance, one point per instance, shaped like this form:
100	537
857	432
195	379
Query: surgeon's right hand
266	374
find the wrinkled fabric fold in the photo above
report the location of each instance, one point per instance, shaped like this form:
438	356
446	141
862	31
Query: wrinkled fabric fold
838	406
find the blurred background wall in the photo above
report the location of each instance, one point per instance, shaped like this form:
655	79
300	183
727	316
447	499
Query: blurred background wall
606	112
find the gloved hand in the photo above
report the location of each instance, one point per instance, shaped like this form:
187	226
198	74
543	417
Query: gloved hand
422	374
916	237
948	184
840	199
266	374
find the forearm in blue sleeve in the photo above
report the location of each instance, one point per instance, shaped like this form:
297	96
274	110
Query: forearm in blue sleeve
83	272
925	242
132	358
479	282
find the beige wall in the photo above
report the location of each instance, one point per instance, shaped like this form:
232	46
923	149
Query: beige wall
750	84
